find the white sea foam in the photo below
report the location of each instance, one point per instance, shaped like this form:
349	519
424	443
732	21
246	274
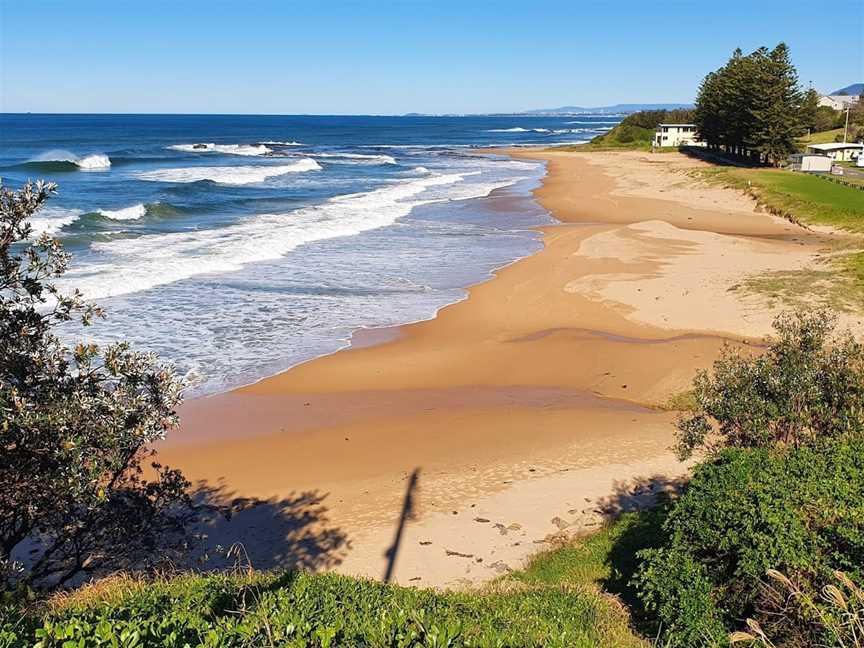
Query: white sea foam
127	213
230	175
229	149
421	169
95	162
362	157
518	129
136	264
50	220
277	143
579	130
588	123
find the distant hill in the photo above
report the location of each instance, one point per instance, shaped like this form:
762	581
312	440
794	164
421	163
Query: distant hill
617	108
854	89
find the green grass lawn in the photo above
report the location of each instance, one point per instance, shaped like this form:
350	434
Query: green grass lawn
802	197
566	597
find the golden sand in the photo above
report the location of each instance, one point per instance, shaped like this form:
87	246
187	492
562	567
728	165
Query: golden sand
526	411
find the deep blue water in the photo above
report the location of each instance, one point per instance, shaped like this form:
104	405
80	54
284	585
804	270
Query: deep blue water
237	246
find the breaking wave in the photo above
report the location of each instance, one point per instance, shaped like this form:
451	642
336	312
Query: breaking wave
231	175
127	213
60	160
229	149
359	157
518	129
147	261
277	143
50	220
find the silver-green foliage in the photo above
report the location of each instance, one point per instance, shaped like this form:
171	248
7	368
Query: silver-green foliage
76	425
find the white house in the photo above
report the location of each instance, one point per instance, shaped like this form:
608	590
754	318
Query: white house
838	151
676	135
838	102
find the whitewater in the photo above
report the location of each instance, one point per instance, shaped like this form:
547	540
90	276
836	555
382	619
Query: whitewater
236	247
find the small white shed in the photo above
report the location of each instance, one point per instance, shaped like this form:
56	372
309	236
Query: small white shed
811	162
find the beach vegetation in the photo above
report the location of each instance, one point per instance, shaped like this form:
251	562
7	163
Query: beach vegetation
837	282
806	388
797	511
778	493
299	609
76	425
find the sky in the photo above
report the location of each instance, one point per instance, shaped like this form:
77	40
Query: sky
385	57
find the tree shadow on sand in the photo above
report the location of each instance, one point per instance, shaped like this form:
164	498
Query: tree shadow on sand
277	533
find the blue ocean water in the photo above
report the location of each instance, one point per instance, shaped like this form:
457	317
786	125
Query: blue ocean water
237	246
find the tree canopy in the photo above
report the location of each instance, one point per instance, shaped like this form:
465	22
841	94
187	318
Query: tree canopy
754	105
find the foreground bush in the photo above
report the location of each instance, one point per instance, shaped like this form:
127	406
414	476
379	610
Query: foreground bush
75	427
807	387
799	511
325	610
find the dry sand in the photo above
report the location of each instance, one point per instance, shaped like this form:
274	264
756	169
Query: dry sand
518	416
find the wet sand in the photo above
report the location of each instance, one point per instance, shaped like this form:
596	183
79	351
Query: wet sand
526	412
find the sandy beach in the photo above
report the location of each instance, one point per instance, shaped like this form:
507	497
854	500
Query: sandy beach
523	414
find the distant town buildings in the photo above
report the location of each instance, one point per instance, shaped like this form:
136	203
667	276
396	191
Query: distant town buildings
676	135
838	102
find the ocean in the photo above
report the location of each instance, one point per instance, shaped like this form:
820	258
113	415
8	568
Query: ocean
238	246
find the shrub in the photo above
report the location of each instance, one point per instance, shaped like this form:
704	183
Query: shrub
76	426
747	511
808	386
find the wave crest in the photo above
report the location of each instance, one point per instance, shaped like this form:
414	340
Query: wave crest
229	149
50	220
359	157
62	160
155	259
231	175
126	213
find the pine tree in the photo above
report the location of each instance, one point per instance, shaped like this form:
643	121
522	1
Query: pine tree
810	110
754	104
776	107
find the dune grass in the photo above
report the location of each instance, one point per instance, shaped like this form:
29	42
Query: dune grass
558	600
838	282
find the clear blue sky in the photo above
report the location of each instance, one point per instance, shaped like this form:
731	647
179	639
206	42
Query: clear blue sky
332	57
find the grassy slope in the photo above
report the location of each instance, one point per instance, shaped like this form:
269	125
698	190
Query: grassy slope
556	601
809	200
615	140
824	137
806	198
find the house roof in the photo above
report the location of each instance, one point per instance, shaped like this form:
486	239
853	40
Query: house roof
836	146
693	125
